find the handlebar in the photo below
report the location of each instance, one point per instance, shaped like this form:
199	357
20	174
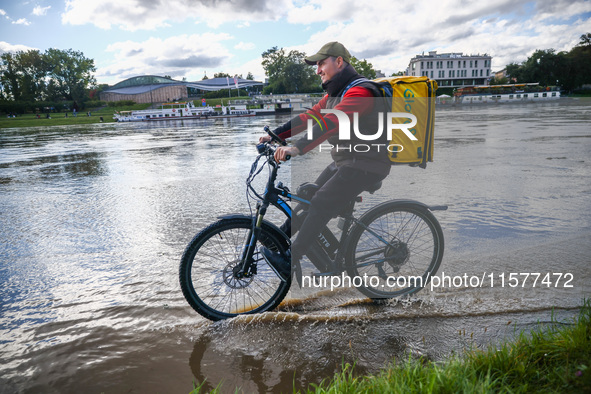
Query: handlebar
274	137
266	146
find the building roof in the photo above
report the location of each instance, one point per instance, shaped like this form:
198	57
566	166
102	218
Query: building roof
146	83
138	89
223	83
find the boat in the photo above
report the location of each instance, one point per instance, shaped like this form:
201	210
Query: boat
267	109
182	110
293	105
510	93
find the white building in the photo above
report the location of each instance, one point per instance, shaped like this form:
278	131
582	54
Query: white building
452	69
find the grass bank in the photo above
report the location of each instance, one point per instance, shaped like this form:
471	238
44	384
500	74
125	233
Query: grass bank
60	119
554	358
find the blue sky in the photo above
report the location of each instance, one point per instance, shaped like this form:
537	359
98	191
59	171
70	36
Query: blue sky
187	38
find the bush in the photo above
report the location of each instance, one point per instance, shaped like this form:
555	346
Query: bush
96	103
121	103
23	107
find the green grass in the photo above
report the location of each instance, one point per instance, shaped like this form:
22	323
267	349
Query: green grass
59	119
553	359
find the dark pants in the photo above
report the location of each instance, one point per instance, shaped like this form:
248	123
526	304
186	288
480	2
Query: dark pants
338	187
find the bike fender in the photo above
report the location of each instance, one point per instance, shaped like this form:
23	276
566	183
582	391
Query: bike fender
234	216
265	222
415	203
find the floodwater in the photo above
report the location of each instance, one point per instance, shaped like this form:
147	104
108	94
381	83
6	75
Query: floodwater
94	220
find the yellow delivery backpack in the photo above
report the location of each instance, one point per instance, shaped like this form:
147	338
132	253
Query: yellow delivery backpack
414	95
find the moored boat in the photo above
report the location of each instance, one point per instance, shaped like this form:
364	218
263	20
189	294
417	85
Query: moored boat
183	110
512	93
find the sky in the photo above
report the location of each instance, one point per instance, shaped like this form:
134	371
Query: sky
192	38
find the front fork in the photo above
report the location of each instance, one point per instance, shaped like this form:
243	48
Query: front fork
246	268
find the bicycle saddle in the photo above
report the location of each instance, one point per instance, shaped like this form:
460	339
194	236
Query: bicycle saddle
373	188
307	190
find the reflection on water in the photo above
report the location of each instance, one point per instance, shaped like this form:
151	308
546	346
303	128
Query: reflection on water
94	220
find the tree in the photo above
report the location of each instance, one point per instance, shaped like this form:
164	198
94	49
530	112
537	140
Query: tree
287	72
364	68
514	72
578	60
34	68
23	74
569	70
585	40
222	75
544	66
10	79
31	76
249	76
499	81
71	73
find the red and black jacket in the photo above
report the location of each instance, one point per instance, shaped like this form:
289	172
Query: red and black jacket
363	99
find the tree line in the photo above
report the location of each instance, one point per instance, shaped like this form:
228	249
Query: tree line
289	73
32	78
52	76
569	70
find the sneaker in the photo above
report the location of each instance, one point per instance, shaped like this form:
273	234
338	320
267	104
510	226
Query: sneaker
279	262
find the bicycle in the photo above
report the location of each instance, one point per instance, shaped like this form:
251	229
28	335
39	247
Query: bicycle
223	273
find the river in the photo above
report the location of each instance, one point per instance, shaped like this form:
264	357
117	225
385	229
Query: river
95	218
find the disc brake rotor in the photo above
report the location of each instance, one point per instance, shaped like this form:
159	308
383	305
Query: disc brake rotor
230	278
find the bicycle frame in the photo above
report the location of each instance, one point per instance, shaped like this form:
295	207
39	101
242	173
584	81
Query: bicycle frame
218	270
319	255
323	254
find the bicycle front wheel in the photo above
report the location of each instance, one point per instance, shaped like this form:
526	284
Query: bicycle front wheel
207	277
394	250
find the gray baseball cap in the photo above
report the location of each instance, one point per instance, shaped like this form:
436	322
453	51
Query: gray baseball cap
333	48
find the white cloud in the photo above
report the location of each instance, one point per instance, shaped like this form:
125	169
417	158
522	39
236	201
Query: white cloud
253	66
179	56
148	15
389	35
40	11
327	11
21	21
7	47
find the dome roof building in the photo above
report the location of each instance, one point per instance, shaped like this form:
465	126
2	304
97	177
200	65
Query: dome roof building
155	89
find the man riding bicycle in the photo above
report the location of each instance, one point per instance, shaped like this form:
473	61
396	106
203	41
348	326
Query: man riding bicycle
351	171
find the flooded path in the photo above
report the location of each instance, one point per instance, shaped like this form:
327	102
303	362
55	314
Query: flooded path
94	220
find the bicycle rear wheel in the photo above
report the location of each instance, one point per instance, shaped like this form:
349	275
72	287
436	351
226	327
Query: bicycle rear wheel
206	271
395	249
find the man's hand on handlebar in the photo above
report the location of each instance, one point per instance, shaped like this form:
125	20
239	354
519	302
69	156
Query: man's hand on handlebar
284	153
